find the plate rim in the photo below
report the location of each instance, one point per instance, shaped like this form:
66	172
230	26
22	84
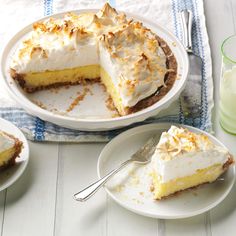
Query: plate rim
137	116
159	216
15	176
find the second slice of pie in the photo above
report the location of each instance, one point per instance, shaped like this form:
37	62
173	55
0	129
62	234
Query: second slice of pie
184	159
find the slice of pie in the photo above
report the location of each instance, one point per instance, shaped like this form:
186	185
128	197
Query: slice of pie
184	160
135	65
10	148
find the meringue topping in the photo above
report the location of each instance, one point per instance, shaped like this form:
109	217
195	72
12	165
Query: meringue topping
138	62
182	153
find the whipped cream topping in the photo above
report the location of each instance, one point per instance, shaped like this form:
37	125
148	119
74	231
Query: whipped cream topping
129	52
5	142
181	153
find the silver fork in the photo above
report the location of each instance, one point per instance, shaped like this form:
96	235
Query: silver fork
142	156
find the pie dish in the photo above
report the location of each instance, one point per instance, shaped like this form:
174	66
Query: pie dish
93	115
184	159
136	66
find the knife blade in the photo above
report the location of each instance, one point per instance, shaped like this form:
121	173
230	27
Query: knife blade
191	96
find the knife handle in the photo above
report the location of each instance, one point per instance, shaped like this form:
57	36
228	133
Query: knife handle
187	19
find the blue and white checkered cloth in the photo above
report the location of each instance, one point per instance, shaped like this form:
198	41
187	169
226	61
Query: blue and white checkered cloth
163	12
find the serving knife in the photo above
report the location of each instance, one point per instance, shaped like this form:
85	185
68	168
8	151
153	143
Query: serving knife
191	96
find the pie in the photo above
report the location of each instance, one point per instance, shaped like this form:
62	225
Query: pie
10	148
135	65
184	159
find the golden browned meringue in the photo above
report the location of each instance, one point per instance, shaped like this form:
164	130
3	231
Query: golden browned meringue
128	51
181	152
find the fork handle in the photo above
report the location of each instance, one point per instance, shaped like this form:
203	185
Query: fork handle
86	193
187	19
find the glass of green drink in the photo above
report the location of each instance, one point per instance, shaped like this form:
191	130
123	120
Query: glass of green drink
228	85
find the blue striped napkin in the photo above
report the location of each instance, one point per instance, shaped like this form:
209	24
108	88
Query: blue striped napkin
165	13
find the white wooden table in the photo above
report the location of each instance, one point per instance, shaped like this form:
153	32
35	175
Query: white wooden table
41	203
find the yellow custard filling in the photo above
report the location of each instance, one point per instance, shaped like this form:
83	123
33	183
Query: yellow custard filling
206	175
72	75
6	155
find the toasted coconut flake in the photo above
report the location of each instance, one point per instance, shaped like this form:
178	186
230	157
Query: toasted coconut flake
40	26
180	140
133	48
36	50
107	11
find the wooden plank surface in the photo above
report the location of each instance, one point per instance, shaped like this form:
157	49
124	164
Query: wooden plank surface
123	222
76	169
30	203
193	226
2	208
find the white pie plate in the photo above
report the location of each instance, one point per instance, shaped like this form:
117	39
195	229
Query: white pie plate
11	174
92	113
130	187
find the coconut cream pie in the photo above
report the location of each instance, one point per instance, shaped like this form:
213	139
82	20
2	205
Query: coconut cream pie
184	160
10	148
135	65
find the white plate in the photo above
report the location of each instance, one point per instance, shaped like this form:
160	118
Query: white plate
92	113
130	187
11	174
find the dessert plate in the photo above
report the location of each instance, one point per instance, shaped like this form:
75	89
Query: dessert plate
131	187
11	174
92	113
